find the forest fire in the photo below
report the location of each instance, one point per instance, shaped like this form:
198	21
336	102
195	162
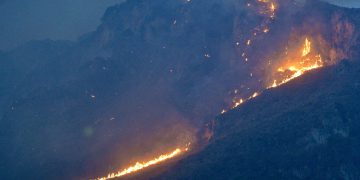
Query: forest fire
139	166
268	8
298	66
304	60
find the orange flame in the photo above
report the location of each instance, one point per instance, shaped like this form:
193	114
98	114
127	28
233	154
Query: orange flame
308	61
242	101
271	7
307	47
139	166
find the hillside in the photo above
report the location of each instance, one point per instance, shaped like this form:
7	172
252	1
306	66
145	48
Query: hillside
307	129
149	78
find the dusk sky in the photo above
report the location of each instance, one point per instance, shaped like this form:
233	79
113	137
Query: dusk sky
23	20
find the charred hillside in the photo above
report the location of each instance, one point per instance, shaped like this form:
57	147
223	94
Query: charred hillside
307	129
152	74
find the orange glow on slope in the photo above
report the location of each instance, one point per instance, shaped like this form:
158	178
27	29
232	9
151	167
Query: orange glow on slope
242	101
237	103
308	61
307	47
271	7
139	166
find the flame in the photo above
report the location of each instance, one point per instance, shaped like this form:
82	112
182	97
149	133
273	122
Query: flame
270	8
307	47
242	101
139	166
308	61
305	62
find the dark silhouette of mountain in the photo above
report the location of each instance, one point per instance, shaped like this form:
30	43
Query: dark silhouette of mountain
306	129
147	80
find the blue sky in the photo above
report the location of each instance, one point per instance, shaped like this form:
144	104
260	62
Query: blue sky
24	20
347	3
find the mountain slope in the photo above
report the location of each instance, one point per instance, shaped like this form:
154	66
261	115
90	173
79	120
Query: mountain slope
146	80
307	129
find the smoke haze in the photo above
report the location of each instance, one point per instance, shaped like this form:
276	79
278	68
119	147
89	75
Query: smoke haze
22	20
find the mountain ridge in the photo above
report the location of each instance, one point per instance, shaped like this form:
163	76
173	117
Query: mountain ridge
293	134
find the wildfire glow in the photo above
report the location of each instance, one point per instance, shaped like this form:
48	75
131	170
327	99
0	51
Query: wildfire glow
307	47
308	61
242	101
270	7
139	166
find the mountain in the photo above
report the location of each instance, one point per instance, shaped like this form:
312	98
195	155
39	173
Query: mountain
148	79
346	3
306	129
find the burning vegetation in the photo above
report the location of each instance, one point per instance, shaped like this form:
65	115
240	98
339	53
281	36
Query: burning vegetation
294	65
302	56
300	62
303	59
139	166
153	77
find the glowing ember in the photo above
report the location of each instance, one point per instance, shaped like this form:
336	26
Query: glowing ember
139	166
248	42
270	7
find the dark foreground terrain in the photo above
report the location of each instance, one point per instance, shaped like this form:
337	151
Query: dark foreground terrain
307	129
